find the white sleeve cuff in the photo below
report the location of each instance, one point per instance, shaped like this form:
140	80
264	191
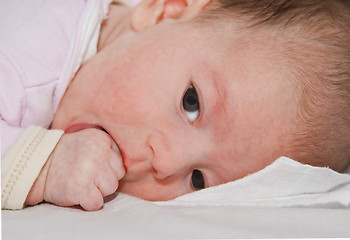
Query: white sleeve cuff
23	162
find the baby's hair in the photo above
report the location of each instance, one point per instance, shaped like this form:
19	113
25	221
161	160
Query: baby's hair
315	40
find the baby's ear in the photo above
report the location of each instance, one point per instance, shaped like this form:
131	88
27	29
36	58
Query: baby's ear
150	12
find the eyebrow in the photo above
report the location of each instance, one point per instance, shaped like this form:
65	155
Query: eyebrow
219	84
217	114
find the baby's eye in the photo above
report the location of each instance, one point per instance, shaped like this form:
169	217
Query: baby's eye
197	180
190	103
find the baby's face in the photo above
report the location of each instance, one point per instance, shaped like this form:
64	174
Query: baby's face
177	98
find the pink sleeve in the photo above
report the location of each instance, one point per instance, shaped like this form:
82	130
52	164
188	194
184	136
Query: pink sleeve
12	100
8	136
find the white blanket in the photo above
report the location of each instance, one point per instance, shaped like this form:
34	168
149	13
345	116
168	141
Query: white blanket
284	183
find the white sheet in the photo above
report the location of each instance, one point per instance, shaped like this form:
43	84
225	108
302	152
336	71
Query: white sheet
284	183
129	218
199	215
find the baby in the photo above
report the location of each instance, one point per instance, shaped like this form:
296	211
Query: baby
184	95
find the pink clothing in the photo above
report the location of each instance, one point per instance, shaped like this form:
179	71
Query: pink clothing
42	45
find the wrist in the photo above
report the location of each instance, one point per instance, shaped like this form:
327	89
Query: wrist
36	193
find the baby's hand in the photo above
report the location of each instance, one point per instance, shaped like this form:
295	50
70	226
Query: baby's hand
82	170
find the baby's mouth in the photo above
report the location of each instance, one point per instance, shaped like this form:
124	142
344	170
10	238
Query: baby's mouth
81	126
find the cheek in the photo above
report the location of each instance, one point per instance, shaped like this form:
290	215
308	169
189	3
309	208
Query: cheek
116	98
119	107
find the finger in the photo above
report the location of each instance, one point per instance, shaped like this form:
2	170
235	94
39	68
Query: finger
116	164
91	199
107	182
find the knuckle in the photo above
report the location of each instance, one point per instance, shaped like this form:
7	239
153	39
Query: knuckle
108	183
110	187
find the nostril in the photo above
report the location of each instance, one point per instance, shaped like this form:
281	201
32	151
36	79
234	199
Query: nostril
154	171
157	174
160	167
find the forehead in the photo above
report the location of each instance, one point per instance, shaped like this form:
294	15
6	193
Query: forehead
187	35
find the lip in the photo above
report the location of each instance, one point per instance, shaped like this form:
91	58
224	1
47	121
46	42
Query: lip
81	126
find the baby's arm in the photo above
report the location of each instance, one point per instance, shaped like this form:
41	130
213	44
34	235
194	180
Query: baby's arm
82	170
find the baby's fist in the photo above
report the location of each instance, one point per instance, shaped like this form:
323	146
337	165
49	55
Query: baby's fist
83	169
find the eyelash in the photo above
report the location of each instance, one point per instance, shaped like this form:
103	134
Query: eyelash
190	103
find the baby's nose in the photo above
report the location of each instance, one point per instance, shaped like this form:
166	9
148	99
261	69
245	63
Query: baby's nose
168	160
162	169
